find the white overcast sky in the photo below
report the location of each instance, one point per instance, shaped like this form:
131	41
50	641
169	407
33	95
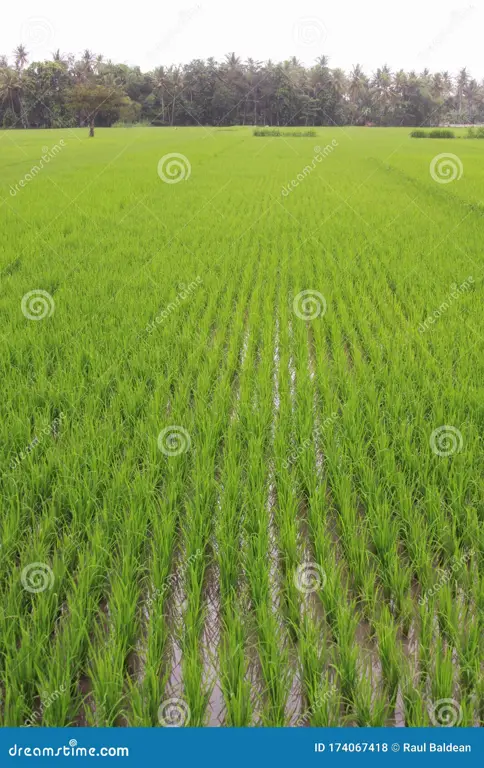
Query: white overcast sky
413	34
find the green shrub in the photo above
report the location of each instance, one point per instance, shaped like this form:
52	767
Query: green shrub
441	133
476	133
435	133
278	132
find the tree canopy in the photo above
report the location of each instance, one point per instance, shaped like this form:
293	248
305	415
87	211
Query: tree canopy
68	91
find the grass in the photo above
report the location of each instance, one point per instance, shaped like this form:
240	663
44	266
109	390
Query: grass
225	502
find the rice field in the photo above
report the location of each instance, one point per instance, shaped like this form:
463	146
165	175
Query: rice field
241	429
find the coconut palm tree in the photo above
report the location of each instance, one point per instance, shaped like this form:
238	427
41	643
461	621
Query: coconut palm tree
175	79
21	57
232	60
9	87
462	81
358	92
159	79
471	94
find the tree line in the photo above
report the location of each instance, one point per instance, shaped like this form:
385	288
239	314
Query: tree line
67	91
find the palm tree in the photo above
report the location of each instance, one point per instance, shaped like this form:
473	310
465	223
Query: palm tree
472	95
9	85
382	90
358	82
252	76
177	84
158	78
358	92
437	86
447	84
322	61
232	60
339	81
462	80
86	64
21	57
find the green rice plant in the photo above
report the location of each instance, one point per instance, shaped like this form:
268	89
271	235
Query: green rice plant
371	707
309	347
327	705
347	662
234	681
390	653
414	704
468	651
442	681
427	632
